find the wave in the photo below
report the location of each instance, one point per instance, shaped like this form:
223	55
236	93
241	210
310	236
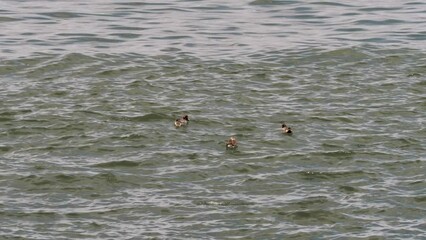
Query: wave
117	164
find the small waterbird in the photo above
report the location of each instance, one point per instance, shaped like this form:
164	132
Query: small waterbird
183	121
286	129
231	143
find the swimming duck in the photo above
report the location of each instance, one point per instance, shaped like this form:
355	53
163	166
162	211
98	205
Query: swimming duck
231	143
286	129
182	121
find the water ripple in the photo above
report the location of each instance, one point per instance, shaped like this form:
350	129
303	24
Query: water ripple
90	92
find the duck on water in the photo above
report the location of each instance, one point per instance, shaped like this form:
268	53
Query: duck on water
183	121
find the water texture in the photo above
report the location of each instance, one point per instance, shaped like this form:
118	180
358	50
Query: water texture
90	90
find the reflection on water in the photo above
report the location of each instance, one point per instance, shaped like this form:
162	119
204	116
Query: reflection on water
90	92
216	28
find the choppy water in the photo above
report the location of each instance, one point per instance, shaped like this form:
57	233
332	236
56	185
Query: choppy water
90	90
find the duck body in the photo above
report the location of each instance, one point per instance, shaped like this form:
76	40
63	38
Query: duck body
183	121
286	129
231	143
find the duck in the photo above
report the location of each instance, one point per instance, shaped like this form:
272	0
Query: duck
286	129
183	121
231	143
